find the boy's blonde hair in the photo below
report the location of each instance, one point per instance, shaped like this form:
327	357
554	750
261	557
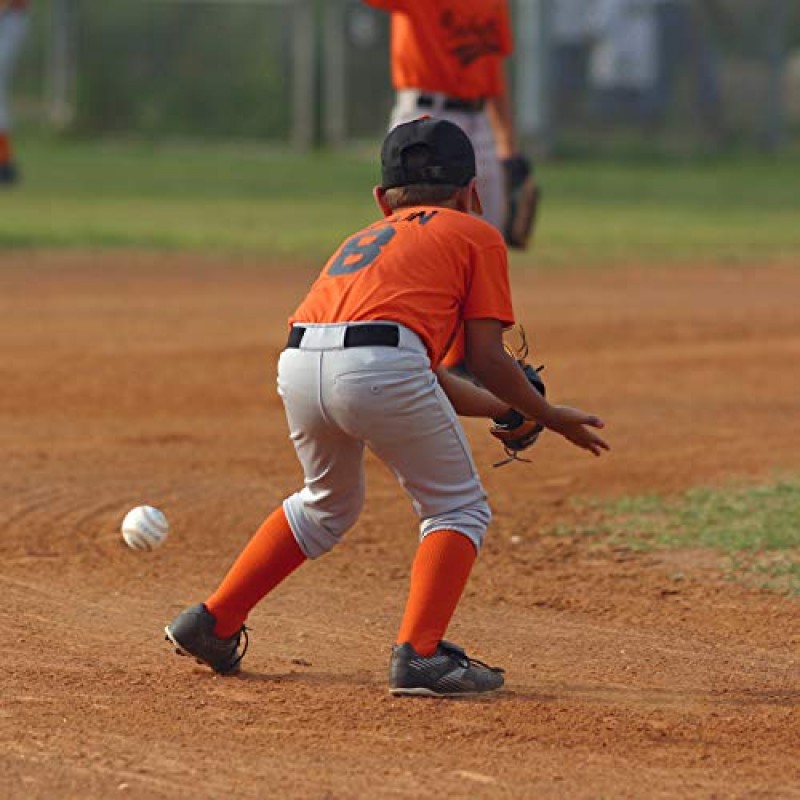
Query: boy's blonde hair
421	194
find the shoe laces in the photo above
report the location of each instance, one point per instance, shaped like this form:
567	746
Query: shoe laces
239	656
484	665
455	650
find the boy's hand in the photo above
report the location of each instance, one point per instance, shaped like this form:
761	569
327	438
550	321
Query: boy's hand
574	425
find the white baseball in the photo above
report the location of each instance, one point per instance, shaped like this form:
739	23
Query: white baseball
144	528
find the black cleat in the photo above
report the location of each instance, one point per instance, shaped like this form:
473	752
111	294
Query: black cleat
192	633
449	672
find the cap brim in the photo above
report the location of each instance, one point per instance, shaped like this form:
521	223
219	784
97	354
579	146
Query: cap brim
476	201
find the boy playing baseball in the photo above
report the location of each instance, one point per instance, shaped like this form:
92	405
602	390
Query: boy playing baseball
362	368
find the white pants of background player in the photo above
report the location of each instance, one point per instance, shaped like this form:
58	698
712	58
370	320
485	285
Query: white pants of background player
13	25
339	400
491	180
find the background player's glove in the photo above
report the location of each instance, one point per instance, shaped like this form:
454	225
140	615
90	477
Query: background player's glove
515	431
523	197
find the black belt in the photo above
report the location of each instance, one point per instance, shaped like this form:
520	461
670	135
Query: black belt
453	103
356	336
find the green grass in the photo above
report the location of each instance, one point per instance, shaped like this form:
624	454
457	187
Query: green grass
79	194
276	203
755	529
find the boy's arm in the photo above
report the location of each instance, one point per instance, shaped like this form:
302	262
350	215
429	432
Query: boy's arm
501	375
470	400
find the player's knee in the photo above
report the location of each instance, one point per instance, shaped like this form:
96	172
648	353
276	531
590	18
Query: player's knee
471	521
319	523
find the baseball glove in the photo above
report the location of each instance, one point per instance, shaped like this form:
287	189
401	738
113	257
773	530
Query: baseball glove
514	431
523	196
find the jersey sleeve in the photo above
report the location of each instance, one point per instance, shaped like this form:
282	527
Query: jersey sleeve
489	291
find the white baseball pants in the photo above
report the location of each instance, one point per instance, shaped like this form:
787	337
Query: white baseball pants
339	400
491	180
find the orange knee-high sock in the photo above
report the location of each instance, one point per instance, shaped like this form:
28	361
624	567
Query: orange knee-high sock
441	568
269	557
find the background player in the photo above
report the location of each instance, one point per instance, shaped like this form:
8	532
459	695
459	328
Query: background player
13	26
447	59
362	368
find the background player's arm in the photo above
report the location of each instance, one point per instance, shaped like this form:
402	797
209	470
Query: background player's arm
498	109
501	375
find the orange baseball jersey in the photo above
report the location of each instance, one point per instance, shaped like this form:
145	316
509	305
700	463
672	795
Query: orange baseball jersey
455	47
428	268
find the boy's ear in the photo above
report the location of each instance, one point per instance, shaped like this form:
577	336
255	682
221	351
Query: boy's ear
477	206
468	200
379	193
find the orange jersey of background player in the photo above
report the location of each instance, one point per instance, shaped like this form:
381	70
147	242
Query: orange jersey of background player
428	268
455	47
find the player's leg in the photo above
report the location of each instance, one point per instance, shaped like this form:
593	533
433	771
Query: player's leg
311	521
332	458
420	438
306	525
489	170
430	455
270	556
439	574
405	108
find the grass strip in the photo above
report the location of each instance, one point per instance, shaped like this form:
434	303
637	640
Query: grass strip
754	528
261	201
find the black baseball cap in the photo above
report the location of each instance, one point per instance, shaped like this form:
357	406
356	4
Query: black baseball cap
442	154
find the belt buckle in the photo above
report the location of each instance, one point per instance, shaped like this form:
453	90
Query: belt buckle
471	106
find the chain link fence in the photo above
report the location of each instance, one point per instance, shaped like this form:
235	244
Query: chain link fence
724	74
717	74
160	68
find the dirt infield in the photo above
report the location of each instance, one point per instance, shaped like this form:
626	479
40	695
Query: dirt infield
142	379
